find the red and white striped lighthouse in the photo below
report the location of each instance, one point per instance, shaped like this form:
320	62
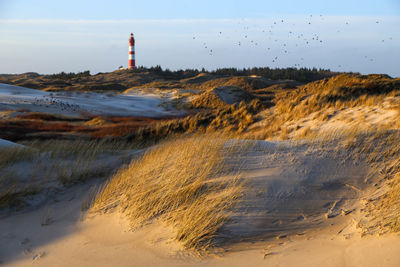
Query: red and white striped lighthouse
132	63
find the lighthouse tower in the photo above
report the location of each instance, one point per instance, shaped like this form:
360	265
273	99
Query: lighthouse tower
132	64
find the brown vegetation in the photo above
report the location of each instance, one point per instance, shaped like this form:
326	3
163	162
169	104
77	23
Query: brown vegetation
35	125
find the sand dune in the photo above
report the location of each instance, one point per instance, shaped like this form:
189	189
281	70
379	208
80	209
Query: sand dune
301	209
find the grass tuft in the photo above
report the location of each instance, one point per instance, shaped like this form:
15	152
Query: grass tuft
183	183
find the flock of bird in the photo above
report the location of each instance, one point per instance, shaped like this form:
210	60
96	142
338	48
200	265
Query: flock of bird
55	103
287	41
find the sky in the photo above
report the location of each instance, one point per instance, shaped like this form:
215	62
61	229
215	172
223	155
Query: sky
48	36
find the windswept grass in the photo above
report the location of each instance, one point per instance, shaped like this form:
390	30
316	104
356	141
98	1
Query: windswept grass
342	91
184	183
11	155
232	119
78	147
39	165
320	101
220	97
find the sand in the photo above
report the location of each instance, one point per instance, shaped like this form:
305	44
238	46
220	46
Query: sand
105	241
77	103
8	144
302	211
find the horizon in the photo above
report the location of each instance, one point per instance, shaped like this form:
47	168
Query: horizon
47	37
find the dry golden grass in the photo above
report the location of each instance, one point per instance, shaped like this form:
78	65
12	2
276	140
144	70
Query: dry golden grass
96	121
184	183
320	101
234	118
247	83
342	91
221	97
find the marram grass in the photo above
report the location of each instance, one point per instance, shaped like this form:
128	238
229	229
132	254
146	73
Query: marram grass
184	183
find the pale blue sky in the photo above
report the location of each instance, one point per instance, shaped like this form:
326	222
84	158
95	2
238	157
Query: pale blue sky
51	36
171	9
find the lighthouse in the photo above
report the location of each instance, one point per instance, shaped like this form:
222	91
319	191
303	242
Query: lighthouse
132	64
